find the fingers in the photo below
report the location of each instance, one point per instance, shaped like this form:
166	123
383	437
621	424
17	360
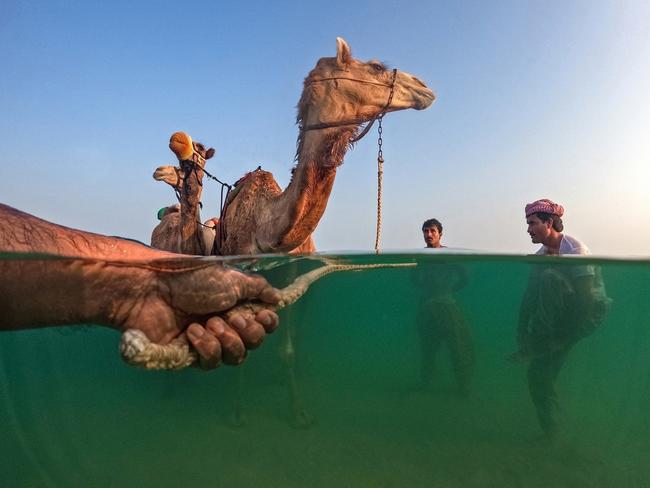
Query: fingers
212	289
270	295
220	341
207	346
250	330
233	350
268	319
255	286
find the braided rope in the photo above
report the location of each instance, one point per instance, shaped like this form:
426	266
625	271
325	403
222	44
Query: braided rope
137	350
380	173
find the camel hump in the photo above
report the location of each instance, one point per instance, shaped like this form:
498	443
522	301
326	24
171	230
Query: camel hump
257	177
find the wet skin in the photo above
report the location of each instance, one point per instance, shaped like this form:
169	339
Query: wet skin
123	284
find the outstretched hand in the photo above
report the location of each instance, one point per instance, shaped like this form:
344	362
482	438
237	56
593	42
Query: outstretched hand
181	300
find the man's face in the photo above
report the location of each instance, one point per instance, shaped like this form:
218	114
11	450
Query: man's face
538	229
431	236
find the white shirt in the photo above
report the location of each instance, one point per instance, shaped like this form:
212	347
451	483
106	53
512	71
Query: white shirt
570	245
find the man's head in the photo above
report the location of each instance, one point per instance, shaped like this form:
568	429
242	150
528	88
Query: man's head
544	219
432	232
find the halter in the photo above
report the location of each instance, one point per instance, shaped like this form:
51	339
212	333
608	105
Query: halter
194	165
359	121
379	116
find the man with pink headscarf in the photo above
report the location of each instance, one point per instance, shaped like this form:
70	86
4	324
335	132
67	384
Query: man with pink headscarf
562	304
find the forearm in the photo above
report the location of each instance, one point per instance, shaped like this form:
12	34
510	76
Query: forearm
525	312
63	291
584	297
21	232
522	323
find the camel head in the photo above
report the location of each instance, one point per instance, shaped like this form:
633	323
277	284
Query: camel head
185	149
343	89
172	175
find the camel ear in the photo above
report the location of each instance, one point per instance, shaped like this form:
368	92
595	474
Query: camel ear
209	153
343	53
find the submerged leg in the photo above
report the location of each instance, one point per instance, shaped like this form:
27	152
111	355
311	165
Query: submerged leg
551	339
431	336
542	375
461	347
300	418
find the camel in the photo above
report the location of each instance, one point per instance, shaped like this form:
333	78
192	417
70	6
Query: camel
166	234
339	95
179	229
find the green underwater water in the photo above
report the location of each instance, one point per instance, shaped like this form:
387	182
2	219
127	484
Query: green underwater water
73	414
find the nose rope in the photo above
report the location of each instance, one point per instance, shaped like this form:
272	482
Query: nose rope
366	129
380	164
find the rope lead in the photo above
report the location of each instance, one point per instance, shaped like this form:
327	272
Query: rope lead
380	174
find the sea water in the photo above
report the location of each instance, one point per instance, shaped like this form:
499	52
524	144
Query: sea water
73	414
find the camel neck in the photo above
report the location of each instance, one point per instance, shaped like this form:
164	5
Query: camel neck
190	212
304	201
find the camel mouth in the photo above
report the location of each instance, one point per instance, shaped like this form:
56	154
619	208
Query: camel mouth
161	173
424	99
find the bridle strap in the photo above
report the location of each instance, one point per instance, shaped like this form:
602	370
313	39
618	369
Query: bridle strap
359	121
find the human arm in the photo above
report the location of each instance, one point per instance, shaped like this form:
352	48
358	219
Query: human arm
122	284
526	309
584	297
22	232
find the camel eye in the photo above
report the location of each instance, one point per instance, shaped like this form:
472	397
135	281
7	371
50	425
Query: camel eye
378	67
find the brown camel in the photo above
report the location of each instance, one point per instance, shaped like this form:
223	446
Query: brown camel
166	235
180	229
340	94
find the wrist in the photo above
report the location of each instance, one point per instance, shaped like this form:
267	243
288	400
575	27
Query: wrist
65	291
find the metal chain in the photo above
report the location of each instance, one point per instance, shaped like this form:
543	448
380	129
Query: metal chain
380	161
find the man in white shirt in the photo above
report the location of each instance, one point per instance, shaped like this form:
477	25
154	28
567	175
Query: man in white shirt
563	303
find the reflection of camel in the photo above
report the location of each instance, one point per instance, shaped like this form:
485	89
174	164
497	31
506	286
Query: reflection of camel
340	94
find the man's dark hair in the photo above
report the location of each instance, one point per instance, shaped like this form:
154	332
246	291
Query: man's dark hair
557	220
432	223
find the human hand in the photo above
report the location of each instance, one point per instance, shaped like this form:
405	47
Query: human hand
186	300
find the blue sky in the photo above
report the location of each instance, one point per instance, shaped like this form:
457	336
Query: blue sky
535	99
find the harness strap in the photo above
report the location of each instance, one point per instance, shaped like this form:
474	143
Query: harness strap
357	121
